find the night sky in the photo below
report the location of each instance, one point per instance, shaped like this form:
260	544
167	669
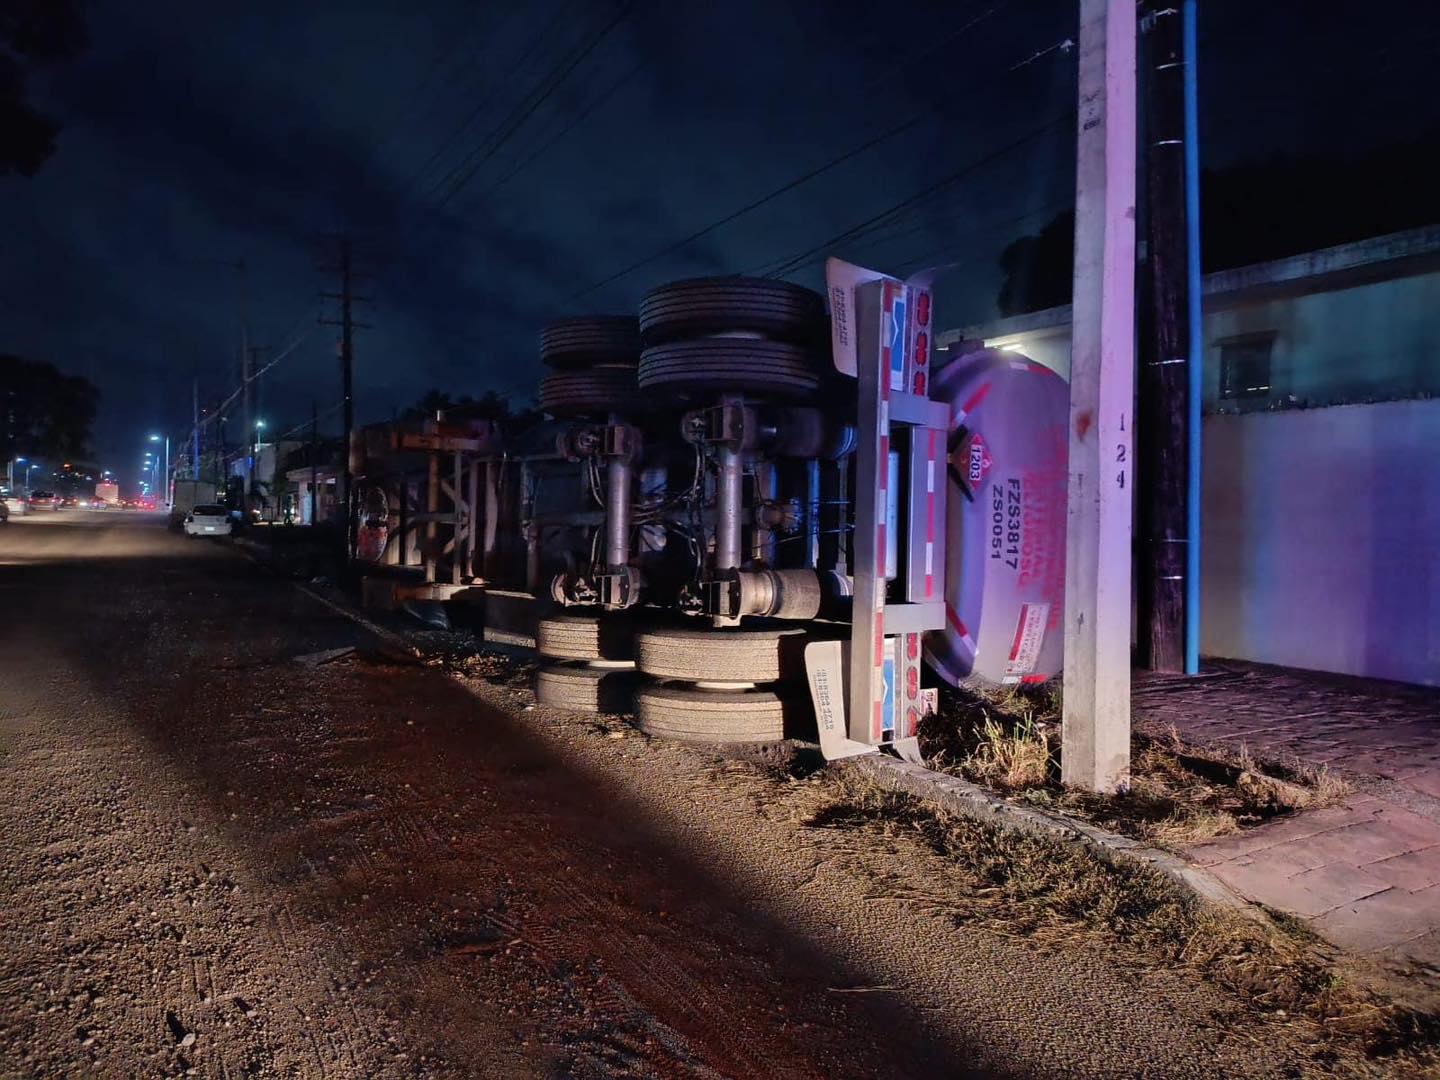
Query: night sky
197	135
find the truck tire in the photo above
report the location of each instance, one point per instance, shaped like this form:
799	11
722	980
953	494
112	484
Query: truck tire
586	637
740	655
709	366
698	307
590	391
685	714
588	340
584	689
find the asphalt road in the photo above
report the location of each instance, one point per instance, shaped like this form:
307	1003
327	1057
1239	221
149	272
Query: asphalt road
218	860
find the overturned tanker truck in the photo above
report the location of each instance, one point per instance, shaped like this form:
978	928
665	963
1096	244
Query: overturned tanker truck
744	521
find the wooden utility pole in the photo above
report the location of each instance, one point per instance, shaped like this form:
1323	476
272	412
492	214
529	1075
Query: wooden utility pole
1164	399
1096	736
347	298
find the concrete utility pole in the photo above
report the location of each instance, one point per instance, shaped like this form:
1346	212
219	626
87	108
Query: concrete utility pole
1163	404
1096	735
347	298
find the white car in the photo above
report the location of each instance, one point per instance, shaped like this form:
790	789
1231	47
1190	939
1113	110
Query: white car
208	521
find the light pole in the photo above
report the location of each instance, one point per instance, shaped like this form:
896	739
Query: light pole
157	438
255	452
251	461
10	472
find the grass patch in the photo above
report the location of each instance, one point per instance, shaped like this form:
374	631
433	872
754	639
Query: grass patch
1052	891
1179	795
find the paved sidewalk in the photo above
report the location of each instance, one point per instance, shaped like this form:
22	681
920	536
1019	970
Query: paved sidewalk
1366	874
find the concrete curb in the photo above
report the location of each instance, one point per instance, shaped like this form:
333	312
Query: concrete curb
962	797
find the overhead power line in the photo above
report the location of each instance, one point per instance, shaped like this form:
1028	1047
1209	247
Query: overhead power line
331	411
912	61
785	188
958	241
478	157
486	100
300	340
580	118
798	181
279	357
794	262
393	124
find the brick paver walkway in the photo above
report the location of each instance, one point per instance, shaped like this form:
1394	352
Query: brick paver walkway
1366	874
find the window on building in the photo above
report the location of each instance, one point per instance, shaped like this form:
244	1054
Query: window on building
1245	368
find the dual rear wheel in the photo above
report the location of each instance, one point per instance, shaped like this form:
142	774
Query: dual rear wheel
703	686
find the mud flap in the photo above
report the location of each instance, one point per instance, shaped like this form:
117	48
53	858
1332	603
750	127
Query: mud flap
826	670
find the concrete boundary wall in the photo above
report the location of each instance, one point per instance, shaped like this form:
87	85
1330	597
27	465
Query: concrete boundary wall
1321	539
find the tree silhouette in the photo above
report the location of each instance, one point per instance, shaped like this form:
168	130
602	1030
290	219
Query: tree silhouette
33	33
44	413
1038	268
488	406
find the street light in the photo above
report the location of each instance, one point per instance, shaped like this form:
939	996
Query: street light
251	462
157	438
10	473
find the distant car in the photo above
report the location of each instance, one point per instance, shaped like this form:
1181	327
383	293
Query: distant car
69	502
96	504
44	500
208	520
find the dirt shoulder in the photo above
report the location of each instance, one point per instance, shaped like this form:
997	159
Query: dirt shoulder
220	860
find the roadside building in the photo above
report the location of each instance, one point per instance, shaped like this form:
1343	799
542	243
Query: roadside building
297	503
268	484
1320	442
